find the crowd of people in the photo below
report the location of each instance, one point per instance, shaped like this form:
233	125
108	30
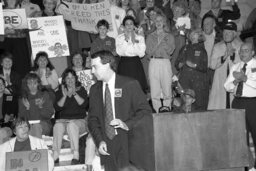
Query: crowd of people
158	56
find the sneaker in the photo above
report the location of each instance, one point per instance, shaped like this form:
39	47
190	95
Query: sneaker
75	162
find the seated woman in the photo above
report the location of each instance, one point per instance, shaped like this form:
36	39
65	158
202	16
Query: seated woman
23	142
71	105
8	106
12	85
36	106
45	70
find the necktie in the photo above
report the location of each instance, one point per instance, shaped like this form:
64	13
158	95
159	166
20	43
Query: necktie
239	89
109	130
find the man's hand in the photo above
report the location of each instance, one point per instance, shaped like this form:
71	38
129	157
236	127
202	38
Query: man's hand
240	76
190	64
103	149
117	123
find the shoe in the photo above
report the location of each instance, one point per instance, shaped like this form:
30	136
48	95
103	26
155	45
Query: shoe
57	161
89	167
75	162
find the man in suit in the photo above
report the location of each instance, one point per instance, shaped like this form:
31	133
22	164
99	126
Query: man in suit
116	104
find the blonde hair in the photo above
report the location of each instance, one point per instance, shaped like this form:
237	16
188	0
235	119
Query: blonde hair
166	27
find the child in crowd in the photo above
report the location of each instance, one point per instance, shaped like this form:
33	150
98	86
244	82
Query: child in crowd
103	42
187	99
36	106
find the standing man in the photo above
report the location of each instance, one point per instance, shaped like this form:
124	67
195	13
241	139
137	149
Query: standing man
224	56
116	104
242	83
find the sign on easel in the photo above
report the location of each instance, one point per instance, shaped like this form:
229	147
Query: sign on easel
34	160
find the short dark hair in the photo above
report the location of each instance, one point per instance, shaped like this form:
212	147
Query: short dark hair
129	18
6	55
19	121
103	23
65	74
106	57
42	54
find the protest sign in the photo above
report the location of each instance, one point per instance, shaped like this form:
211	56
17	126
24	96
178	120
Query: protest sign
84	17
27	160
48	34
1	19
86	78
15	19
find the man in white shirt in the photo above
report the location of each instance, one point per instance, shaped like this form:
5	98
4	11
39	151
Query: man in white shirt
242	83
117	16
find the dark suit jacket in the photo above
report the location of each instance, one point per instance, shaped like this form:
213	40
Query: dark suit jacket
15	88
130	107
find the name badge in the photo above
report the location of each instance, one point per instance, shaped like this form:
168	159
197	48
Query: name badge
9	98
197	53
108	43
253	70
118	92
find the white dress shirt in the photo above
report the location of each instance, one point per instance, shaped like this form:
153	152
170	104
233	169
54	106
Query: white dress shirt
127	48
208	44
249	87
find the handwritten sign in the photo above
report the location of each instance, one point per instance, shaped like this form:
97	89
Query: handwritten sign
15	19
84	17
27	160
86	78
1	19
48	34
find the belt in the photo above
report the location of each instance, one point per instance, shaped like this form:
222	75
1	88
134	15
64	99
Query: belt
158	57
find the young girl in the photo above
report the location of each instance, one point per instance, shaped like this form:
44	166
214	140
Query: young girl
36	106
103	42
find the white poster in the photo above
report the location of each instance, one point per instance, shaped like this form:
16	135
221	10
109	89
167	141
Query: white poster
84	17
48	34
1	19
86	78
15	19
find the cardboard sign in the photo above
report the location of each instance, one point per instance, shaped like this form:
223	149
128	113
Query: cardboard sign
84	17
15	19
86	78
1	19
34	160
48	34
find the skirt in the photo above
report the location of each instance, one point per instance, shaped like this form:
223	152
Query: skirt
132	67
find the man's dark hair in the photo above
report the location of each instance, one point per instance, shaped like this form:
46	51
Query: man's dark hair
106	57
